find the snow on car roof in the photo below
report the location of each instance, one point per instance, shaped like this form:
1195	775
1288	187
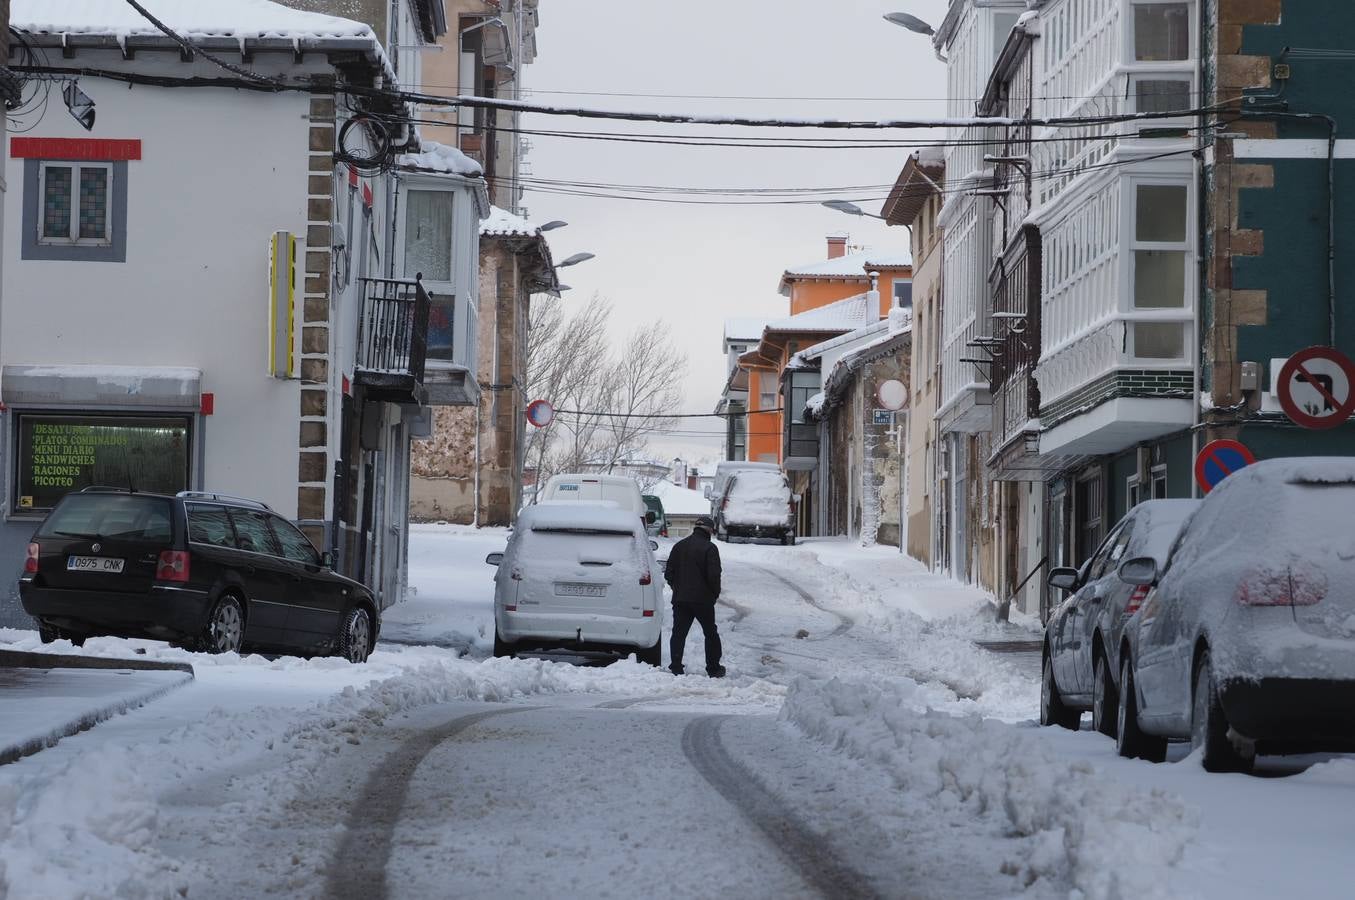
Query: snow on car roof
595	515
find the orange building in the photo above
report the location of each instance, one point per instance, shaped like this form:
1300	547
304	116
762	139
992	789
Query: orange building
841	294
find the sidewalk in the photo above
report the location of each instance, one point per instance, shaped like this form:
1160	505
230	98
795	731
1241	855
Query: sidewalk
45	696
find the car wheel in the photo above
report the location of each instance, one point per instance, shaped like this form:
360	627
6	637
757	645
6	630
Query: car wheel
501	647
1052	710
355	638
653	656
225	627
1209	725
1105	702
1130	741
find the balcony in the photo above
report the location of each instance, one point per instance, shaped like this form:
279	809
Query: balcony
393	340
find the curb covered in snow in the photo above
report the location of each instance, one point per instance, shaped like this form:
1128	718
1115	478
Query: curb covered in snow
17	667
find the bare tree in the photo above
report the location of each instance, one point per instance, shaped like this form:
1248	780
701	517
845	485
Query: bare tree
617	397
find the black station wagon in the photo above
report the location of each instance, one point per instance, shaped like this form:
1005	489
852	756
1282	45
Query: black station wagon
205	571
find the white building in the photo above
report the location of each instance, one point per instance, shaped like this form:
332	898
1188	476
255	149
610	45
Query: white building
212	289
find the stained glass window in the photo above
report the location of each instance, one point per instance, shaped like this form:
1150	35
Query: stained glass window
56	202
93	202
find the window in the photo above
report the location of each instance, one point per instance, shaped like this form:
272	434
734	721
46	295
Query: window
428	235
75	208
210	525
1159	482
803	385
58	454
295	545
1160	249
1161	32
1160	94
1132	492
252	532
903	294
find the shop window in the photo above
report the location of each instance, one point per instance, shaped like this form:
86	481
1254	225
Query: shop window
60	454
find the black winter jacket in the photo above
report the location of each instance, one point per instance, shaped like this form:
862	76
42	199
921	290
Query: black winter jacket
693	569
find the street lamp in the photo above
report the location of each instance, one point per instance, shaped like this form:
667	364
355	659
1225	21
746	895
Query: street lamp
574	260
851	209
552	225
912	23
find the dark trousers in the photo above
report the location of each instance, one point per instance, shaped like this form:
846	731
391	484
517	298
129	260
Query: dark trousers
683	616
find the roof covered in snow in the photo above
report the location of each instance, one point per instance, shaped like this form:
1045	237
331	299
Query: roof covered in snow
599	516
850	266
745	329
444	159
197	21
844	315
502	223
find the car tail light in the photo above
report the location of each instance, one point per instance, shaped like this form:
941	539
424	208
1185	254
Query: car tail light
724	504
172	566
648	614
646	577
31	561
1273	587
512	608
1136	599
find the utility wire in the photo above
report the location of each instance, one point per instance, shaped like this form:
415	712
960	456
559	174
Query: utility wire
191	49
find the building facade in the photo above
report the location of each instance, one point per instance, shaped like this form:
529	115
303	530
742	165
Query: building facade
261	333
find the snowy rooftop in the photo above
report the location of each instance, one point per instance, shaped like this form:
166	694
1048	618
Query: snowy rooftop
502	223
193	19
844	315
833	343
745	329
442	158
848	266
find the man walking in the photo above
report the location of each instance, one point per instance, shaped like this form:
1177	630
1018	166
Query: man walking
693	572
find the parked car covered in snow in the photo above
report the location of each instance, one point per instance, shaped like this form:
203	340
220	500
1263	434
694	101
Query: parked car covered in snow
756	504
724	471
620	490
1246	640
1082	638
581	577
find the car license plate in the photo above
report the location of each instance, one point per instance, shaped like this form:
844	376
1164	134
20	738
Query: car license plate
93	564
565	589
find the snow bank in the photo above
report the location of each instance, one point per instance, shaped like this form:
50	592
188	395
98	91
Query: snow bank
1055	820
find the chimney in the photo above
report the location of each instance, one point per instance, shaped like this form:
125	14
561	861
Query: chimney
837	245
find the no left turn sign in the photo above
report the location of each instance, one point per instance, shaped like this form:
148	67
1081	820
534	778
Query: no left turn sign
1316	387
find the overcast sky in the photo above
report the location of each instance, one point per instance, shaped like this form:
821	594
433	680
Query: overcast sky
695	265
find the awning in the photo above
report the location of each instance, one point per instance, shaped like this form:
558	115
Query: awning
159	387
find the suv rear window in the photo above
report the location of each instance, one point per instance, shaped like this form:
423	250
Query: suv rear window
111	516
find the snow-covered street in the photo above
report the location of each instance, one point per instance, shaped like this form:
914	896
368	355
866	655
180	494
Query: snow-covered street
862	745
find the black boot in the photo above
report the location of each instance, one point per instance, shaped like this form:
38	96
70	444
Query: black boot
676	670
717	672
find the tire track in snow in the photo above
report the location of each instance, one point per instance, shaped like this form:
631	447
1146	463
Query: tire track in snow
804	850
844	623
358	870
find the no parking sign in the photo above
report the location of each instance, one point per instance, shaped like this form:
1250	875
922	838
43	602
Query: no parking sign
1218	460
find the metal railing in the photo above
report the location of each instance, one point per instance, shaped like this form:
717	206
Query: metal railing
393	330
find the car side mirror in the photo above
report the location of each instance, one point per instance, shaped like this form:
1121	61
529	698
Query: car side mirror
705	491
494	559
1139	571
1064	578
651	517
327	560
653	545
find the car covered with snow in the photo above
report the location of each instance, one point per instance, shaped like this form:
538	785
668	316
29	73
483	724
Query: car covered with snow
579	577
756	503
619	490
1245	642
724	471
1080	665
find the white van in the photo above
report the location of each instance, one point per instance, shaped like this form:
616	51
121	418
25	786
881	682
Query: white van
589	488
729	467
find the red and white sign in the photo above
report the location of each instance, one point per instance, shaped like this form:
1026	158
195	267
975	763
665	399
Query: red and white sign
540	413
1316	387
